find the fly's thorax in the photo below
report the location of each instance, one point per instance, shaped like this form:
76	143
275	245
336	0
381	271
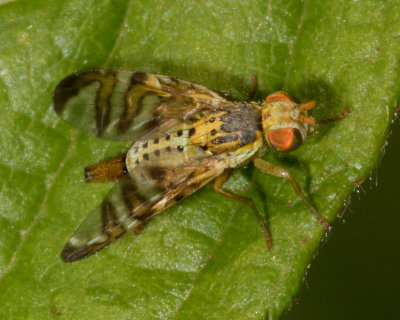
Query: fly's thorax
285	123
227	129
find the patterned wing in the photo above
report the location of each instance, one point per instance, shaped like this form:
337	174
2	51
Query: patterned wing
120	105
131	203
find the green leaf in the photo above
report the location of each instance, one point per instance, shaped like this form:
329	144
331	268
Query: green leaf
205	258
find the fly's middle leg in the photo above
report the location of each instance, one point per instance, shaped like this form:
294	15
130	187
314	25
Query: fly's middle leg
254	86
219	182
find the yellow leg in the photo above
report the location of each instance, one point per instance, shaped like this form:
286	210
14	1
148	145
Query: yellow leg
276	171
219	182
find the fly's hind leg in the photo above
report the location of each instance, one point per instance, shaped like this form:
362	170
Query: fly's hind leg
219	182
276	171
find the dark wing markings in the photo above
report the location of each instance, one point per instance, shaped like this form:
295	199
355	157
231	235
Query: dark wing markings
120	105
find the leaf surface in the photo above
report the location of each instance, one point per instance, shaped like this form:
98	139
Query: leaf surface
205	258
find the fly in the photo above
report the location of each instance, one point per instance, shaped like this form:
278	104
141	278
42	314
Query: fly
185	136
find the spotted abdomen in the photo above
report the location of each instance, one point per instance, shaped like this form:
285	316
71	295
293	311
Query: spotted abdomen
159	162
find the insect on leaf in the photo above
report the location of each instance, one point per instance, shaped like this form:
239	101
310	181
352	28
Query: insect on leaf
184	135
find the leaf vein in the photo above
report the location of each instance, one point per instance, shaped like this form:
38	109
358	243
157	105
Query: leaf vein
9	266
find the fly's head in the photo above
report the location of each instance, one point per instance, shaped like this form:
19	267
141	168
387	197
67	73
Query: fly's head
285	123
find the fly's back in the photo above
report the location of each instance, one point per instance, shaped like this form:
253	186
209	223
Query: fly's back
227	129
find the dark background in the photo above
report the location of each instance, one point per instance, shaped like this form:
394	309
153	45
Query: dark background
356	272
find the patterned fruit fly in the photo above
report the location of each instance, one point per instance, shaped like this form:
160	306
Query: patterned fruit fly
185	136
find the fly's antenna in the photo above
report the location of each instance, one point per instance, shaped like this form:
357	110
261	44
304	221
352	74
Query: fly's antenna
311	104
308	120
307	105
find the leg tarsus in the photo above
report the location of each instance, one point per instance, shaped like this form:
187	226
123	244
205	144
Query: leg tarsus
338	117
276	171
219	182
139	229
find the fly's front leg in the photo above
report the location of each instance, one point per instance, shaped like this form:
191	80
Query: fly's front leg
219	182
338	117
276	171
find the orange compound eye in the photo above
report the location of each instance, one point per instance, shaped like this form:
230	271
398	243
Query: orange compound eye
278	96
285	139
